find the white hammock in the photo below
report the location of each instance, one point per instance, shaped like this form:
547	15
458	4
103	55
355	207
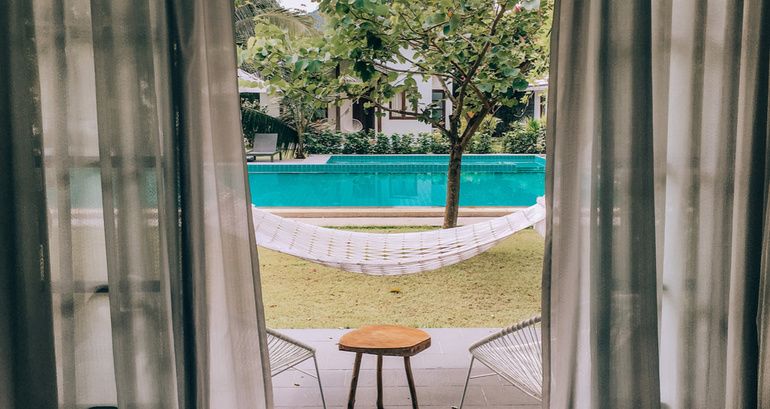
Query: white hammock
389	254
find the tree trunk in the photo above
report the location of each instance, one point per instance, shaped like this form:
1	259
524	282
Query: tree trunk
453	186
299	150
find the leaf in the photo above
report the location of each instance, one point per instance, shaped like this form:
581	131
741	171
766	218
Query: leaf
313	66
364	69
381	10
520	84
395	290
454	22
373	41
436	18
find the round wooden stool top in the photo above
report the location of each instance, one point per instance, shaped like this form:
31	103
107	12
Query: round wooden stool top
390	340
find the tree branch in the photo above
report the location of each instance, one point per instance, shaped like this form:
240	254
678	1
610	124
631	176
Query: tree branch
472	126
417	115
472	71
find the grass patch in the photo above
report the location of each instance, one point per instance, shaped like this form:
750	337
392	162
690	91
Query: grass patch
493	289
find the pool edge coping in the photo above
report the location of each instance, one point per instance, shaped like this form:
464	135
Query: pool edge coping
394	212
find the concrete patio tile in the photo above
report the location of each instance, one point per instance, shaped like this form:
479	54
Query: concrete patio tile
448	396
439	374
296	397
422	406
334	378
437	360
507	395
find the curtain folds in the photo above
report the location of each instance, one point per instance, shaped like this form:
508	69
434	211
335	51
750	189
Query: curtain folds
232	369
656	274
133	277
26	331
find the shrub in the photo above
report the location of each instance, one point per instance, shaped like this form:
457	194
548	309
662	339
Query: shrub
402	144
488	125
424	143
357	143
382	144
440	143
481	143
525	137
324	142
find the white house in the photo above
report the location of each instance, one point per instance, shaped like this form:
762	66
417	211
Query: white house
351	116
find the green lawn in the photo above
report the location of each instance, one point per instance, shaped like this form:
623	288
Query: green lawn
493	289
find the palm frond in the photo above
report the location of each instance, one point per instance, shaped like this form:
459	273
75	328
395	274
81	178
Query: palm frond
296	22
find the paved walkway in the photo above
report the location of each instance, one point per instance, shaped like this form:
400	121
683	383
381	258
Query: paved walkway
439	374
388	221
387	216
288	160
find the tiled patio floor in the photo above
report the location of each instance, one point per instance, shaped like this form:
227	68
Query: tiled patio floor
439	375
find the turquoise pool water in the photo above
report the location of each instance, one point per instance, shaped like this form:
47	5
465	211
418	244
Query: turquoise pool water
398	180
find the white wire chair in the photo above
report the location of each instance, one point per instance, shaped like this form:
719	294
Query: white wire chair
515	353
286	353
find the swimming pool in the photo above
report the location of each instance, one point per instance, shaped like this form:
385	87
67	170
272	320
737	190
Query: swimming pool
398	180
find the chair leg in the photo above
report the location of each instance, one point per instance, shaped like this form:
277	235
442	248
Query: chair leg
467	380
318	376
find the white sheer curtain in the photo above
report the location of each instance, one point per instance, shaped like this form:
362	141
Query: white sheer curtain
132	271
658	245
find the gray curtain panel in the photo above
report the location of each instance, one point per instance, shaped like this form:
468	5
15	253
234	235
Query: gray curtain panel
656	290
132	275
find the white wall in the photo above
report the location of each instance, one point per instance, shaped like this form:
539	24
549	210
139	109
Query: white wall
391	126
346	115
271	104
401	126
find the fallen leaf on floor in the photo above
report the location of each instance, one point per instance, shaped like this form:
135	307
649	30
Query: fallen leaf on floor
395	290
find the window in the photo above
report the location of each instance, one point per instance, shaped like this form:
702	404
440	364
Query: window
399	102
438	99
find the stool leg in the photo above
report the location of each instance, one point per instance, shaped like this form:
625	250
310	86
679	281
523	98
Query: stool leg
410	380
354	382
379	382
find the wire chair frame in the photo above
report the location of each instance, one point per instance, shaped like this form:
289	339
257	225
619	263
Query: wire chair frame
286	353
515	354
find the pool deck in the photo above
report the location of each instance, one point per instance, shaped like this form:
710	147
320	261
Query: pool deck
439	375
388	222
386	212
387	216
310	160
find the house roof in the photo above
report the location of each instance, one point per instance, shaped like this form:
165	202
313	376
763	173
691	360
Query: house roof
250	83
538	85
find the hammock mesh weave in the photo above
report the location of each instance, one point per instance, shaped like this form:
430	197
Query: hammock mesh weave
389	254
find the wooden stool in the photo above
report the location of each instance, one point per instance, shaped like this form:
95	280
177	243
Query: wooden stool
390	340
